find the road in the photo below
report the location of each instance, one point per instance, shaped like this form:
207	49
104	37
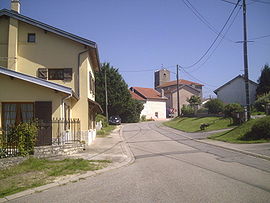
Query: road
169	167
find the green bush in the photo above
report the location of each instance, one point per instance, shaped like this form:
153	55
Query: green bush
261	102
260	129
143	118
103	119
215	106
187	110
25	134
230	109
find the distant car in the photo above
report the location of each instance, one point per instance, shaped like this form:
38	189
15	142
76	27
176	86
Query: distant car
114	120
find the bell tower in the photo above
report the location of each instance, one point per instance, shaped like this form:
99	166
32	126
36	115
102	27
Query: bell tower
161	76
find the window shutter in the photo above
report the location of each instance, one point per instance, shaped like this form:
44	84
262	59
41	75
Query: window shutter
43	73
67	73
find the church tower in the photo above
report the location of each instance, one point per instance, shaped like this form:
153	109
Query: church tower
161	76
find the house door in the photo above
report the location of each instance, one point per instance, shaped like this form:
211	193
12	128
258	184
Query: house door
43	112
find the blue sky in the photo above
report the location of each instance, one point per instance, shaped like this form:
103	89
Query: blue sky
141	36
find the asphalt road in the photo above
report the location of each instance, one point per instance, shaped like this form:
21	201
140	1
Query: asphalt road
170	168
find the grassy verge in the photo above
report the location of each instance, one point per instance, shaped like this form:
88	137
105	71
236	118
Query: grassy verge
237	135
36	172
193	124
105	131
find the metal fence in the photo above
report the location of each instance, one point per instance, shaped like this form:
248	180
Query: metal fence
66	131
55	132
8	147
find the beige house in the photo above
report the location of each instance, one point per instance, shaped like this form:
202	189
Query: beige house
186	90
154	103
47	74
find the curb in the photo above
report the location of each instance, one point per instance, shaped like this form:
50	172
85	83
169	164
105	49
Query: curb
228	148
238	150
128	161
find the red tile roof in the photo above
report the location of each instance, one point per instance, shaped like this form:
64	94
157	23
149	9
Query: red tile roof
181	82
148	93
136	96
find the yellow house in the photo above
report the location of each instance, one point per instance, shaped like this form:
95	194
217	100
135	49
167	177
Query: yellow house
48	74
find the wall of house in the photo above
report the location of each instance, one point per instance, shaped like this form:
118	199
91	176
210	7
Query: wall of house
184	94
49	51
4	24
152	106
15	90
234	92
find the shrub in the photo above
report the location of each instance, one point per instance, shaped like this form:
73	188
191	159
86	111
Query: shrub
143	118
187	110
25	134
103	119
202	110
261	102
260	129
230	109
214	106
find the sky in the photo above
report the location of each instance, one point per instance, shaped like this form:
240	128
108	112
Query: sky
141	36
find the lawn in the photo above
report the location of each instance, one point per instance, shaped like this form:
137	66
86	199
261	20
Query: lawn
237	135
105	130
193	124
36	172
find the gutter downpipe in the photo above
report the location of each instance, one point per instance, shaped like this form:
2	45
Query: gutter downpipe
63	106
79	62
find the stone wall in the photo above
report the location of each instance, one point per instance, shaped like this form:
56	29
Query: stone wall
7	162
44	152
58	150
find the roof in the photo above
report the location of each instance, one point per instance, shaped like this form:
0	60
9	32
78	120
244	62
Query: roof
229	82
49	28
181	87
136	96
181	82
147	93
37	81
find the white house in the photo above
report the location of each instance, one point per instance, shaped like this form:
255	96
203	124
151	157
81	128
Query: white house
154	102
234	91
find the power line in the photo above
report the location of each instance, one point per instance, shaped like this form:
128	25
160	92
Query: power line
228	2
201	18
197	78
215	38
261	37
261	1
219	42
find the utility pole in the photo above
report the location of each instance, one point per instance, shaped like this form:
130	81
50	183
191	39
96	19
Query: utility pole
177	80
106	95
246	60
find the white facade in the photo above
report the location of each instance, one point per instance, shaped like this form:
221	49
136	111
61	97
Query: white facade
154	109
234	91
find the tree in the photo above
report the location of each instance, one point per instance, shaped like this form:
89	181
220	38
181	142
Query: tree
120	101
264	81
214	106
194	101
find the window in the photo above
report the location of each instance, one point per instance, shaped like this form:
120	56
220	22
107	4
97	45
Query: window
91	83
67	116
31	37
60	74
156	114
16	113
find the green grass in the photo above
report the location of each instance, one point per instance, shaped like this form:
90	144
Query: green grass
193	124
237	135
105	130
36	172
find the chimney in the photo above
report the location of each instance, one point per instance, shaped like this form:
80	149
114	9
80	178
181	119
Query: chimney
162	93
15	5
